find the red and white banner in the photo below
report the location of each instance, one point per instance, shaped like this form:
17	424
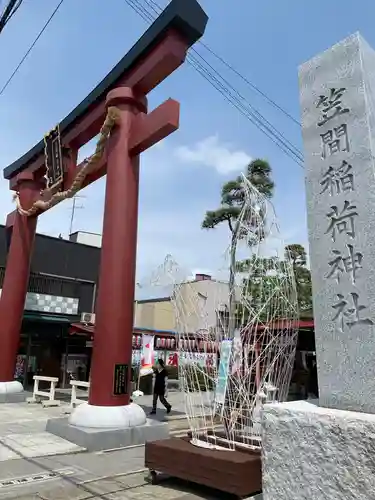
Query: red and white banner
237	353
172	358
205	360
147	354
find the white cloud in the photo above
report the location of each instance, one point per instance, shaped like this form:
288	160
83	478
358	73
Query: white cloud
170	216
211	153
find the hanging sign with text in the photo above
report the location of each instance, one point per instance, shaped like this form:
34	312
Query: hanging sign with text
53	158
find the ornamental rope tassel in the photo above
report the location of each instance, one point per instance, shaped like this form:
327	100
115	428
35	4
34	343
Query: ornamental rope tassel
50	199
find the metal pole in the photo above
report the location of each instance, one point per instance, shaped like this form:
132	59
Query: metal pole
28	351
135	325
73	209
66	355
93	299
67	278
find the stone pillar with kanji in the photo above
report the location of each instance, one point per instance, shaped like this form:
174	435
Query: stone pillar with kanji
323	449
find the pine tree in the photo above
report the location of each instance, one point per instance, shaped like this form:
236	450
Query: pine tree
232	195
296	255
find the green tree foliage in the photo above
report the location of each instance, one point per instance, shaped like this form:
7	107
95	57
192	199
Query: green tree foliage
267	274
232	195
296	254
263	288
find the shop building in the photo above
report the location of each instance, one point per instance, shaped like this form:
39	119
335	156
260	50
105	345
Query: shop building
154	315
62	285
58	323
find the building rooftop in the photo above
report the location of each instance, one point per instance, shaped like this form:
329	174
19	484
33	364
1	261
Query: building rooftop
153	292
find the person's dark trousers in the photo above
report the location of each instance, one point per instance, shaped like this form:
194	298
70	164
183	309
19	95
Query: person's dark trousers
162	399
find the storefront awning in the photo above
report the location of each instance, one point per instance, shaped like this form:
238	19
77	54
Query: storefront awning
81	329
285	323
47	317
87	329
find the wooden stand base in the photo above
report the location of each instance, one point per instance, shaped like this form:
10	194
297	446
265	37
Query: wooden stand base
236	472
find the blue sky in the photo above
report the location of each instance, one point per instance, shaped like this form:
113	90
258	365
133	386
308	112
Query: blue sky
181	178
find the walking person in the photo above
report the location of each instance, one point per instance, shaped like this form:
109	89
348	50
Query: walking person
160	387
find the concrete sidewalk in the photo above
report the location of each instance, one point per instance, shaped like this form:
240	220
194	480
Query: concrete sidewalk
37	465
114	475
23	428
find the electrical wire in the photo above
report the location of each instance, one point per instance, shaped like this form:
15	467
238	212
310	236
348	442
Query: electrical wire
208	72
252	85
9	12
257	117
244	107
15	8
227	90
154	6
30	48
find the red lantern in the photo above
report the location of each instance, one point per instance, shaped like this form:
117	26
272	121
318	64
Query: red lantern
209	361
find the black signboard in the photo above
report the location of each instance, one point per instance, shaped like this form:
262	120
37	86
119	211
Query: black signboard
120	380
53	158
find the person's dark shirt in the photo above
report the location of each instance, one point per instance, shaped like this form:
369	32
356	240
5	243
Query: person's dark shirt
159	387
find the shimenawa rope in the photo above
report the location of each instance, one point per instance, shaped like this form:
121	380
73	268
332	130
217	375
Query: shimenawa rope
51	199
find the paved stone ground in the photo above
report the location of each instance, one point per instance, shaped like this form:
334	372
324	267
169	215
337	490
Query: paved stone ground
36	465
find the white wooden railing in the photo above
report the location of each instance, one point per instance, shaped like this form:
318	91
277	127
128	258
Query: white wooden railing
76	384
50	394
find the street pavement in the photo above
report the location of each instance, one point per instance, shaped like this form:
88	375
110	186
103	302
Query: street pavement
36	465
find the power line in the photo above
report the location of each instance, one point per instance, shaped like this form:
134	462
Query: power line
30	48
256	117
8	12
227	90
213	77
235	99
154	6
254	87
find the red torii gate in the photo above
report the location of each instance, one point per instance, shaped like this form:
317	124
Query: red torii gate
120	101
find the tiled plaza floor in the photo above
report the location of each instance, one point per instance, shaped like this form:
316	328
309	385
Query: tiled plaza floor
35	465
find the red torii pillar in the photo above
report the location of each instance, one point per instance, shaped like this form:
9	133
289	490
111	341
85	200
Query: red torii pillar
15	283
112	349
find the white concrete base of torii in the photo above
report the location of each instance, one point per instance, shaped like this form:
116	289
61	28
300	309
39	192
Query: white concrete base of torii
98	428
316	453
104	417
12	392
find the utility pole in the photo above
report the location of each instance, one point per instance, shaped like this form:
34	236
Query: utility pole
73	210
8	12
